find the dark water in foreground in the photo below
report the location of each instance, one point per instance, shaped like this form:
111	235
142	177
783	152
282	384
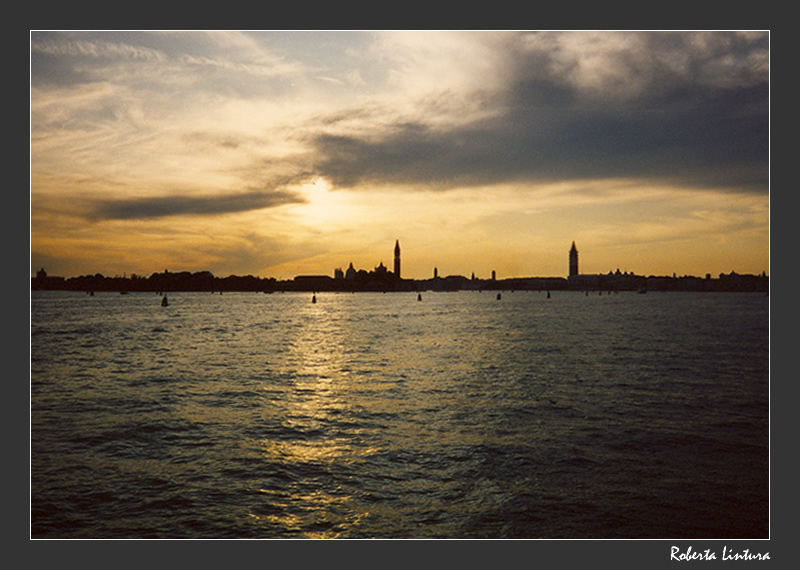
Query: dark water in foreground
378	416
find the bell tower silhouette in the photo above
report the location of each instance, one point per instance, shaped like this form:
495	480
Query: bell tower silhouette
397	259
573	260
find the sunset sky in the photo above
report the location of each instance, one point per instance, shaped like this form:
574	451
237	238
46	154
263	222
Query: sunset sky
278	154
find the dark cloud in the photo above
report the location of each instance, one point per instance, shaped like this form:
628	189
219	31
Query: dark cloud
707	147
702	121
159	207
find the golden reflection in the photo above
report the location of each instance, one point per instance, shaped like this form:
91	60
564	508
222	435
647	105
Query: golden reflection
315	437
325	450
318	347
320	397
323	509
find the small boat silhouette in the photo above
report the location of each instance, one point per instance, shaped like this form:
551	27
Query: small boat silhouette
164	302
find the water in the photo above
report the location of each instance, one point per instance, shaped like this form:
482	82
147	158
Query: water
366	415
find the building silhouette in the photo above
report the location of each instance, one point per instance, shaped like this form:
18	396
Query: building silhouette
397	259
573	260
381	279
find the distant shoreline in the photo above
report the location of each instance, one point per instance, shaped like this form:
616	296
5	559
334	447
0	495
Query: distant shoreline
204	281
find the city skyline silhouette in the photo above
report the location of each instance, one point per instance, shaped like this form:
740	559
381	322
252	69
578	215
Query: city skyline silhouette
380	278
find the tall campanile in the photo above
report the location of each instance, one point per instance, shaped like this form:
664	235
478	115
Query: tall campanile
397	259
573	260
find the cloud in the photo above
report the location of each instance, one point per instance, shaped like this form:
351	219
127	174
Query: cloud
434	109
180	205
95	49
677	108
719	145
624	65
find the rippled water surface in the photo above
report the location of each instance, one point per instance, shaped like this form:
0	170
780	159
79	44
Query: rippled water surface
366	415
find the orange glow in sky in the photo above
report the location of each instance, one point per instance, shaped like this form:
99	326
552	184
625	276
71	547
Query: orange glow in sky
284	153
